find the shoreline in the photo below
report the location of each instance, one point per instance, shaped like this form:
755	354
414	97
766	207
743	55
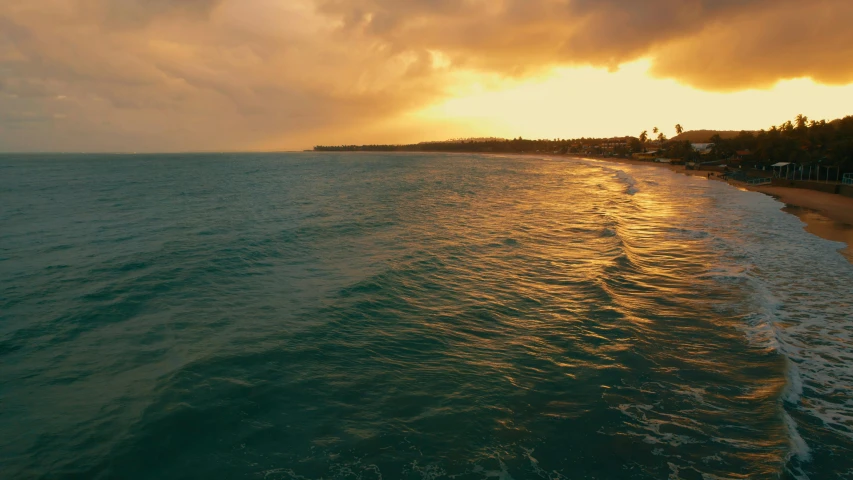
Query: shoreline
826	215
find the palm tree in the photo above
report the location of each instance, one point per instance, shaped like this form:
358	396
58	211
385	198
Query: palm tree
661	138
802	121
644	137
655	130
679	129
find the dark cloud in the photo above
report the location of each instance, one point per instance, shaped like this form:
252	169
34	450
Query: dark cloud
11	32
769	40
180	74
807	39
136	13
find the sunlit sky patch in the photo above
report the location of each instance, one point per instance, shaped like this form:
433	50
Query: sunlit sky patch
214	75
593	102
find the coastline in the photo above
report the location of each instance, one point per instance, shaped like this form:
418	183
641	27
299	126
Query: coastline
826	215
835	207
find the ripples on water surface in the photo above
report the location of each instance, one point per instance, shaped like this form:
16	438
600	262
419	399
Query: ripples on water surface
420	316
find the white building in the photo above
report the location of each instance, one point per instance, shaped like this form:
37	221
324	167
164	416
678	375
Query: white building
702	148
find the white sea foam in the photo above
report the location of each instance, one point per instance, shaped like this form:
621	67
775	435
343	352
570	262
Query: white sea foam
812	328
538	470
799	294
799	448
502	474
794	389
802	291
629	181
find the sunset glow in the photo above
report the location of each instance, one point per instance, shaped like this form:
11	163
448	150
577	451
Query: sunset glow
426	239
267	75
590	102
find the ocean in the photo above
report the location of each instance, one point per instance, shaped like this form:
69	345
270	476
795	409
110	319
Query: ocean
415	316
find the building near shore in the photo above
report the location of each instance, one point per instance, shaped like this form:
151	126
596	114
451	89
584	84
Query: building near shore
650	155
702	148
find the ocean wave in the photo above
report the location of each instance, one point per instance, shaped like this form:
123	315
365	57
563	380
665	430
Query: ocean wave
422	316
800	311
629	181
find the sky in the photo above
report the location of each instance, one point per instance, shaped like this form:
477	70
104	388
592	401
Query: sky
248	75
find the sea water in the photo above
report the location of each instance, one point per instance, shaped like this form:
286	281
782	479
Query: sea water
366	316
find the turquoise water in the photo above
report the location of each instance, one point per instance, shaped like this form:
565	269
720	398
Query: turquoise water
307	316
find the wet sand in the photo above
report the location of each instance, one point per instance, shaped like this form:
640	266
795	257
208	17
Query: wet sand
835	207
826	215
818	224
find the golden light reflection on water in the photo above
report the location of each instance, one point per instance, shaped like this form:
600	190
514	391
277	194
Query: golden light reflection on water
474	310
579	274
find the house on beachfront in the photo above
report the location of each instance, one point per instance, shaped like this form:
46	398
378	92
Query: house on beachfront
742	155
650	155
782	169
612	144
702	148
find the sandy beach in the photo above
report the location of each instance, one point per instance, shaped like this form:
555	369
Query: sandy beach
834	207
825	215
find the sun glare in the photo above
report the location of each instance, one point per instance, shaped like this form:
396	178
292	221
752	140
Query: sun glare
594	102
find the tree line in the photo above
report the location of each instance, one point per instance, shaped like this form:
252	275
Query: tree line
801	141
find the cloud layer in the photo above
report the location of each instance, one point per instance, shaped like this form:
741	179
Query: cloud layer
712	44
242	74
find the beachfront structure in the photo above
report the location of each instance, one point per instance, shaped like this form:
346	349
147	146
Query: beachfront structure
613	143
702	148
759	181
781	169
847	179
742	155
651	155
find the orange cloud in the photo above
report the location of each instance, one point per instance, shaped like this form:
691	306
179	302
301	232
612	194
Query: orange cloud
134	13
712	44
236	74
209	75
756	49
